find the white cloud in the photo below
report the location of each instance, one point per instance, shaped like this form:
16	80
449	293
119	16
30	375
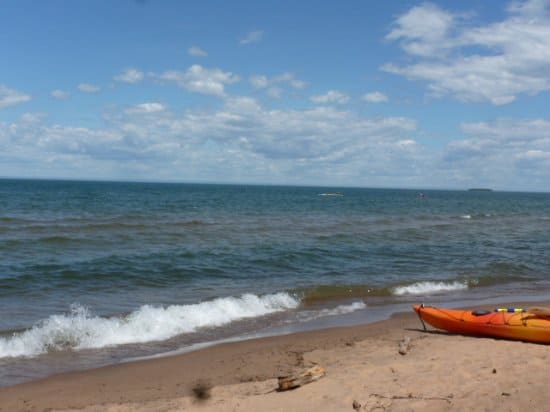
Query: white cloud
504	153
242	141
201	80
275	92
253	37
60	94
147	108
332	96
375	97
197	52
495	62
273	85
88	88
262	81
407	142
535	155
10	97
423	30
130	76
259	81
32	117
290	79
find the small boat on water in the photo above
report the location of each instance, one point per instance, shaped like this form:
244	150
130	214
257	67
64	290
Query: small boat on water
530	325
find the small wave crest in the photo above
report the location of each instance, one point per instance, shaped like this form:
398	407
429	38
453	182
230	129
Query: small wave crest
425	288
307	316
476	216
80	329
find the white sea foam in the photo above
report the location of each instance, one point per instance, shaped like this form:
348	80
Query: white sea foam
338	310
81	330
476	216
425	288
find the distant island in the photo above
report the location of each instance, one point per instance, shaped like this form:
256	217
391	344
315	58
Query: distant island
480	189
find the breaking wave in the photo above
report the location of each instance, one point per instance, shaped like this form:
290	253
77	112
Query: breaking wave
80	329
307	316
425	288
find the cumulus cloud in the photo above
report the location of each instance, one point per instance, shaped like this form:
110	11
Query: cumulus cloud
32	117
375	97
423	30
88	88
130	76
261	81
202	80
495	62
241	141
11	97
331	97
274	85
147	108
60	94
309	134
275	92
535	155
196	52
252	37
505	153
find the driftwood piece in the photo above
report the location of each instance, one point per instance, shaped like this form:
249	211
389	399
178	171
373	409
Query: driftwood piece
295	381
448	398
404	345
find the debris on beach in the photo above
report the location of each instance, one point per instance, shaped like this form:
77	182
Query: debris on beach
404	345
294	381
201	390
378	401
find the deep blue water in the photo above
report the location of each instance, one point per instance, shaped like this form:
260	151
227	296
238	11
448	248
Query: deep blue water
74	254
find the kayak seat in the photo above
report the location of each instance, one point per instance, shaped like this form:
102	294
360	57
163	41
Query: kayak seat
480	312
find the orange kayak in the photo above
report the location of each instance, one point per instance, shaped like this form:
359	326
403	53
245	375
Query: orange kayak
516	325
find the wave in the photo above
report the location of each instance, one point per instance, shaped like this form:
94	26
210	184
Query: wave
68	227
79	329
307	316
424	288
493	275
324	293
143	224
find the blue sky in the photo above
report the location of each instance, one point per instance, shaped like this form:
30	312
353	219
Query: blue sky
355	93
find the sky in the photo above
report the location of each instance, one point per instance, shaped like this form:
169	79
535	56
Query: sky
402	94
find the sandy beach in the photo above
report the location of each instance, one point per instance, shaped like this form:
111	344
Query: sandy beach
364	371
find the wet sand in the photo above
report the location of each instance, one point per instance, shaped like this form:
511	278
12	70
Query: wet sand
363	368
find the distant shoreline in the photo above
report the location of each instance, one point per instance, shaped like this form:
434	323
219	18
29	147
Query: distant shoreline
480	189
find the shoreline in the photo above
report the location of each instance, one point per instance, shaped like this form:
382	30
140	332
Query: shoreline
223	364
232	366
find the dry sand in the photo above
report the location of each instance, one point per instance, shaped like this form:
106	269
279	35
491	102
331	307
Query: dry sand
363	369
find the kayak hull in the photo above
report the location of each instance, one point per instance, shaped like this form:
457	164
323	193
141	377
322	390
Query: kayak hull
522	326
